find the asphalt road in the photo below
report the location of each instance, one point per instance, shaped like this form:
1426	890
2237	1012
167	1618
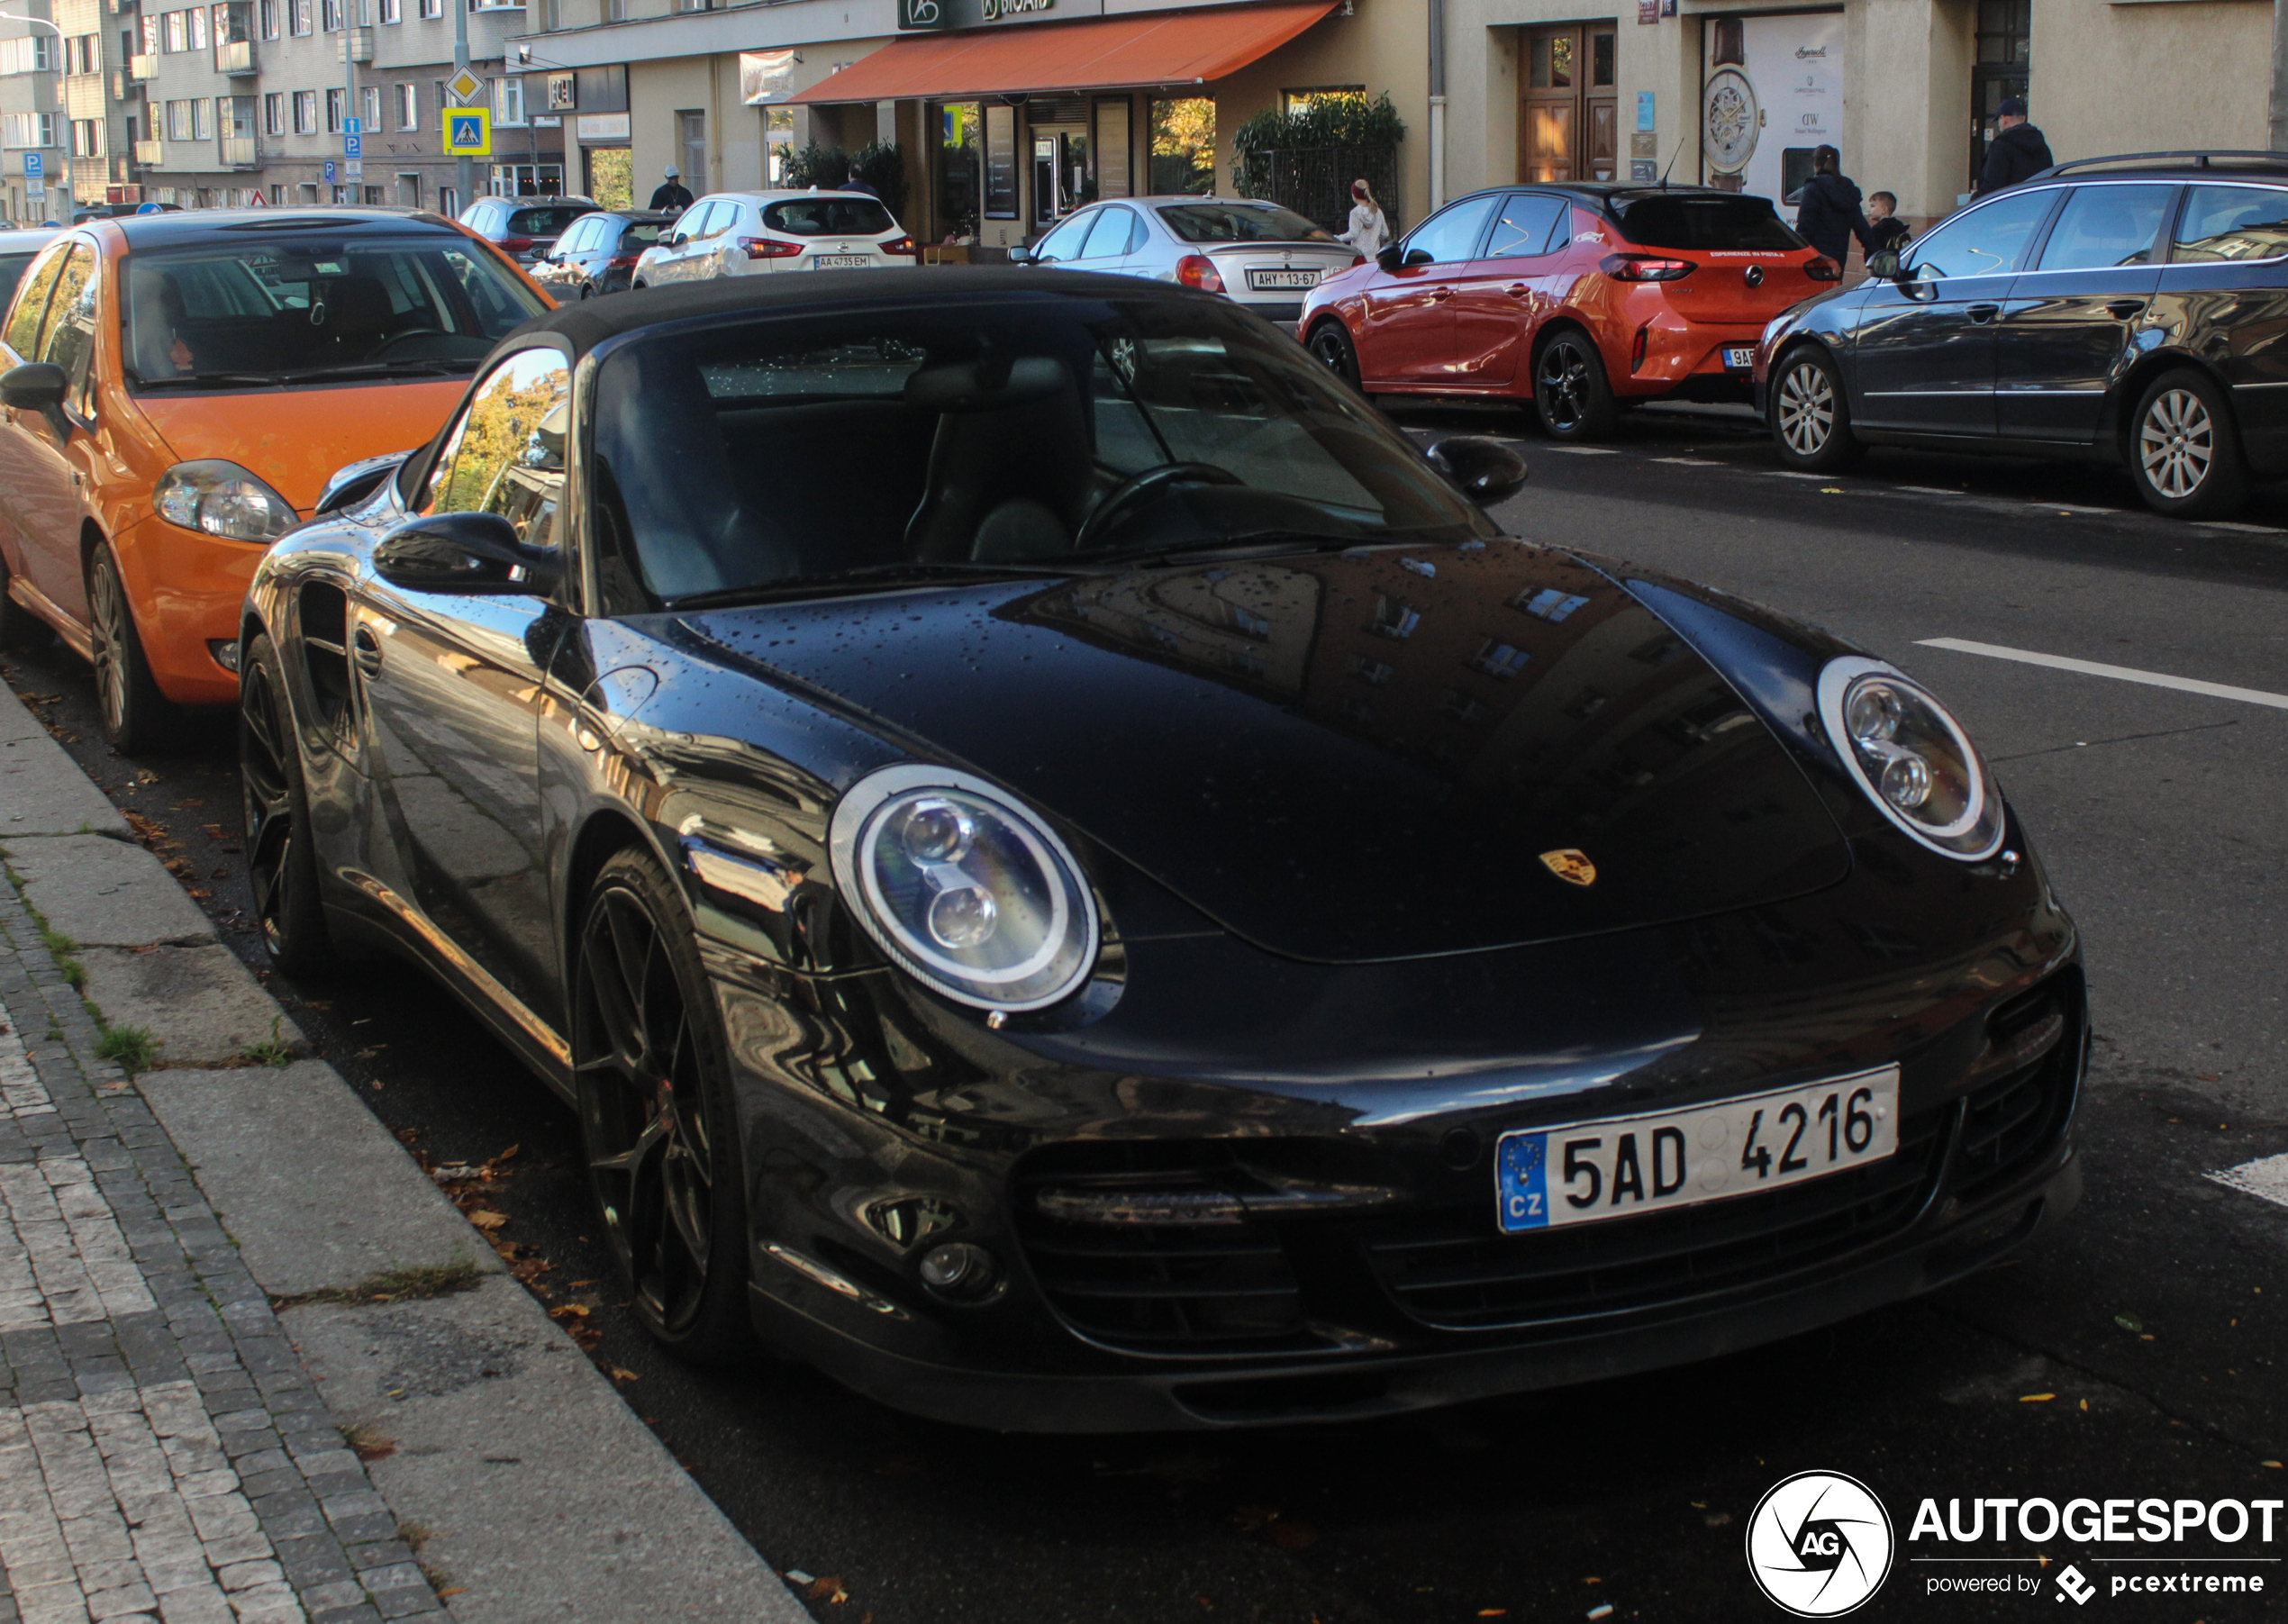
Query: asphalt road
2155	1322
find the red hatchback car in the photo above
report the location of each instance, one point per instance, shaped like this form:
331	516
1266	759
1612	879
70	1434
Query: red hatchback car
1586	298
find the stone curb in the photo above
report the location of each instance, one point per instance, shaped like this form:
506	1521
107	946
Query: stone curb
497	1422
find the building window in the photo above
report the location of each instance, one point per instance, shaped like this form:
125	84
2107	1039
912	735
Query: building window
1498	658
408	107
269	18
195	23
449	202
508	99
1549	604
392	11
336	110
24	56
274	112
28	130
691	127
330	16
170	32
301	15
202	120
369	109
432	8
305	112
552	15
87	138
178	120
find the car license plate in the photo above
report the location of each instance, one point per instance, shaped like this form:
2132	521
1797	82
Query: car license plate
1263	281
1739	357
1625	1166
842	261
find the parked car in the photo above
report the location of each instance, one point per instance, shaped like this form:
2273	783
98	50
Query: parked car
1259	254
2120	310
1075	878
1582	299
17	249
524	228
177	388
750	234
597	253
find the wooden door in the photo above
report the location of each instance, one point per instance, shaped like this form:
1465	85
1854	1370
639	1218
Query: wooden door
1569	125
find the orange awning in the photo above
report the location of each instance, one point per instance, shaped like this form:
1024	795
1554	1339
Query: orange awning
1108	53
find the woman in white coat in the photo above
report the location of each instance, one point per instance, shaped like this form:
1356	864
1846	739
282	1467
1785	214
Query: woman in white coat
1370	230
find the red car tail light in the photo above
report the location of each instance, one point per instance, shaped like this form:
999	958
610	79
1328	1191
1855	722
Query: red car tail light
769	247
1645	268
516	245
1823	269
1356	260
1197	270
624	261
903	245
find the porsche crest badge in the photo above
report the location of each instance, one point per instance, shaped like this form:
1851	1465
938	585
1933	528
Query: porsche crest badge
1571	866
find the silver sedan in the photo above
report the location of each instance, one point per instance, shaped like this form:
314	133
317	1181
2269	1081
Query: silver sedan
1260	255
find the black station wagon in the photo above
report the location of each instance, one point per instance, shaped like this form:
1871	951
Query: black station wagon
2128	310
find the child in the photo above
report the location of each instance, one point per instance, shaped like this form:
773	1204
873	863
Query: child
1884	231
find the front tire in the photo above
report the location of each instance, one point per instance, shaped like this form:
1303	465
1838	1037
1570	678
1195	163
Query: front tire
1330	345
274	802
137	717
2184	450
1810	418
1570	390
657	1121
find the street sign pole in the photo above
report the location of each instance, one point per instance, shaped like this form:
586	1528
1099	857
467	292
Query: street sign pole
460	67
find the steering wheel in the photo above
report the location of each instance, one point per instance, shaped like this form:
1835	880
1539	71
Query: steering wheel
395	339
1139	489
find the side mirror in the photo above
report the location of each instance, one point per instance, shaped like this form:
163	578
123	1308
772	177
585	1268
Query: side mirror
678	239
1886	266
1020	255
1388	256
465	552
1484	470
34	386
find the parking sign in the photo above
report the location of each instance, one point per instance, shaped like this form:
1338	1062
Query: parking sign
35	165
468	132
353	145
328	172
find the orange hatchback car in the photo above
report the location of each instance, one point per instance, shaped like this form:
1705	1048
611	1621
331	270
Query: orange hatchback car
1583	298
177	389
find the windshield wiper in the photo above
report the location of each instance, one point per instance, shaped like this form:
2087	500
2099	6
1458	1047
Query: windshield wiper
1245	543
905	573
185	379
436	364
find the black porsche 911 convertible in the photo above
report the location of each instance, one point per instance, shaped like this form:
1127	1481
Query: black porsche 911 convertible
1076	880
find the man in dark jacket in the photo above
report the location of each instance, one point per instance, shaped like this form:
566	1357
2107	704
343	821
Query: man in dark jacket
2017	151
672	194
1828	214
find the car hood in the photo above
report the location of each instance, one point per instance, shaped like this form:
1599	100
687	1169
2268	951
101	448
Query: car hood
296	438
1375	755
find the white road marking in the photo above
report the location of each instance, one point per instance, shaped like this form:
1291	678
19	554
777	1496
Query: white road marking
1585	450
1792	474
1690	462
1929	490
2268	1177
2251	530
2068	507
2128	673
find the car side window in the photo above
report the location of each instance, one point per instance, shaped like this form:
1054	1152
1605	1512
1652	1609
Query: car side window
2104	226
2232	223
1525	225
576	241
32	304
507	454
67	338
1988	240
1065	242
1451	234
1108	239
719	218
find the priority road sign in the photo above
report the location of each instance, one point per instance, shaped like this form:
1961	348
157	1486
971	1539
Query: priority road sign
468	132
465	89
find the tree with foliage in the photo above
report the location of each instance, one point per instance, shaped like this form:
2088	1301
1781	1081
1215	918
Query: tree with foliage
1323	121
880	164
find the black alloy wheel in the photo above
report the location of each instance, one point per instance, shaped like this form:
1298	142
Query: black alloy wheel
137	717
652	1073
2184	453
1811	420
274	803
1570	391
1330	345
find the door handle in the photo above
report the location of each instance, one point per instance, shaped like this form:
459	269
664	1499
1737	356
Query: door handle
2124	309
366	650
1517	290
1984	313
1441	294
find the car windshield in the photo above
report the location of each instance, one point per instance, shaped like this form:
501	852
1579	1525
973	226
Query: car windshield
288	309
1239	223
549	220
904	443
11	273
829	217
1708	224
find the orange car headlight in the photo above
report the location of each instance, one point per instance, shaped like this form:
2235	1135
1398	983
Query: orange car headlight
222	499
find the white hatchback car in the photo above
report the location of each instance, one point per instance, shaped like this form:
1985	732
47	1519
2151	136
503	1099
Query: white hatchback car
743	233
1260	255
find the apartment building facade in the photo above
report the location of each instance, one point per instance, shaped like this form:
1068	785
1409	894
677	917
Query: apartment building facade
33	122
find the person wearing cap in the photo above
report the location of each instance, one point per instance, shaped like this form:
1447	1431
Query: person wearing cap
2017	151
672	194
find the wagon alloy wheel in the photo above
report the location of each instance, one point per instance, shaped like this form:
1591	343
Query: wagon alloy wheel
654	1113
2187	457
1331	346
1807	409
274	804
1570	390
136	715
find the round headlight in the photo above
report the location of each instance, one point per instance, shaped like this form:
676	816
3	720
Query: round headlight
1911	757
964	887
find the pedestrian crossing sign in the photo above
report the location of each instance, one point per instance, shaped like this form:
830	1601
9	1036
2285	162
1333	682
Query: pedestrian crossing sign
468	132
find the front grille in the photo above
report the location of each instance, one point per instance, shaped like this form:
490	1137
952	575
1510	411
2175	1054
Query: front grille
2012	1120
1449	1270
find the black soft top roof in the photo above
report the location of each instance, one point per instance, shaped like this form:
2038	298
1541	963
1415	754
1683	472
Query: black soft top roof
591	323
219	227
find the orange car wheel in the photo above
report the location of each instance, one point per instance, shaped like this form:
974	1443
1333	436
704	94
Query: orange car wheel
137	717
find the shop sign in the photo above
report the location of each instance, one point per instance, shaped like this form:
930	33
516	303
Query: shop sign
995	9
924	13
768	76
1770	95
602	127
564	93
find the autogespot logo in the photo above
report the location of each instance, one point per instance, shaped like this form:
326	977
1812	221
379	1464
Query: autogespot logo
1819	1544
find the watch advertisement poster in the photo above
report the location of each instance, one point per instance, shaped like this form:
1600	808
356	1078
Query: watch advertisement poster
1771	93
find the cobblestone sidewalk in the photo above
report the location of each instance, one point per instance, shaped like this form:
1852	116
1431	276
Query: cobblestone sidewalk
163	1455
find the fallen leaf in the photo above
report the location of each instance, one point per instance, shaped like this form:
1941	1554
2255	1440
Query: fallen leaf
2129	1322
829	1589
2085	1404
619	1374
796	1575
2273	1464
484	1218
2036	1397
1492	1613
1602	1609
559	1311
511	1151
